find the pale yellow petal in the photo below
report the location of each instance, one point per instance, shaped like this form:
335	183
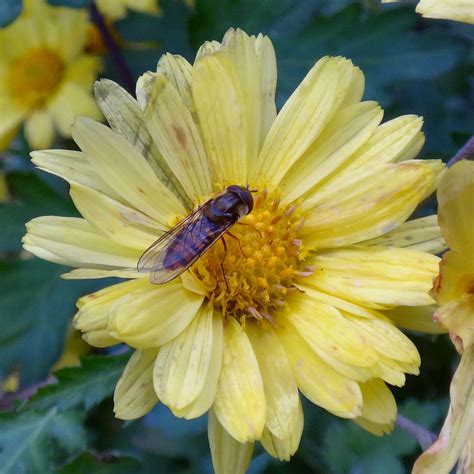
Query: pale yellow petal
9	123
379	409
345	133
281	392
75	242
179	72
134	395
283	449
458	318
83	70
99	338
423	234
120	165
39	130
228	455
71	101
182	364
222	117
268	78
415	318
456	207
113	220
376	277
154	315
72	166
177	137
299	123
206	397
368	203
459	10
393	140
240	400
459	424
126	118
316	380
92	273
466	459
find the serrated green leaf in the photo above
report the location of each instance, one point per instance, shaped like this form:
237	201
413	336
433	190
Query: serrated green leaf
39	441
31	198
35	307
87	463
9	10
83	386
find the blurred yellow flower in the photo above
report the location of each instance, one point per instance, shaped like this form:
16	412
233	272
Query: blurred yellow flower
454	292
117	9
45	79
299	309
459	10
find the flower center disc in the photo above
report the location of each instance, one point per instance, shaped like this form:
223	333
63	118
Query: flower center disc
252	271
33	78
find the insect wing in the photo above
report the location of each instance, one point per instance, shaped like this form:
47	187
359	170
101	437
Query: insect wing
176	250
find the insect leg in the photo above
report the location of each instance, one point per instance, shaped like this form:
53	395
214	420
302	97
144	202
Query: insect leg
222	263
238	242
250	225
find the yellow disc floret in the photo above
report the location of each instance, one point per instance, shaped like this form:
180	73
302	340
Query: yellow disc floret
34	77
250	273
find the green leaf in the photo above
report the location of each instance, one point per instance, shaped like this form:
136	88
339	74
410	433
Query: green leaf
87	463
31	198
378	455
9	10
35	307
39	441
83	386
70	3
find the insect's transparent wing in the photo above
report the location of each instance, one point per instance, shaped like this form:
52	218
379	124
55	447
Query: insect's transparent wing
179	248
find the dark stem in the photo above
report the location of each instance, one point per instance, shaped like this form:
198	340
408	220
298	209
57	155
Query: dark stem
424	437
113	49
466	151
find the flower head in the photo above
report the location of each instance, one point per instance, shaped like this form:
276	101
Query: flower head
292	303
45	79
117	9
454	292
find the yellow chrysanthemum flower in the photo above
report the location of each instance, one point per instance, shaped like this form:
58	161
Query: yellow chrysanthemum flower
294	302
117	9
459	10
454	292
45	79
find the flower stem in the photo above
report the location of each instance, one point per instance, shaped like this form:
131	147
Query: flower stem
424	437
114	51
466	151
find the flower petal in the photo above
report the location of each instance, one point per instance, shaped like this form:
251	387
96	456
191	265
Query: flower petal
114	220
134	395
72	166
456	207
459	424
240	399
120	165
345	133
182	364
283	449
172	127
460	10
228	455
72	241
126	118
153	315
379	409
92	273
206	397
376	277
223	121
39	129
367	203
318	381
299	122
422	234
415	318
281	392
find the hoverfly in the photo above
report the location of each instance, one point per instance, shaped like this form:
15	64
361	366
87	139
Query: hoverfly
176	250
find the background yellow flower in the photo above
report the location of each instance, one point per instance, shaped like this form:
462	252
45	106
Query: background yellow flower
45	78
117	9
